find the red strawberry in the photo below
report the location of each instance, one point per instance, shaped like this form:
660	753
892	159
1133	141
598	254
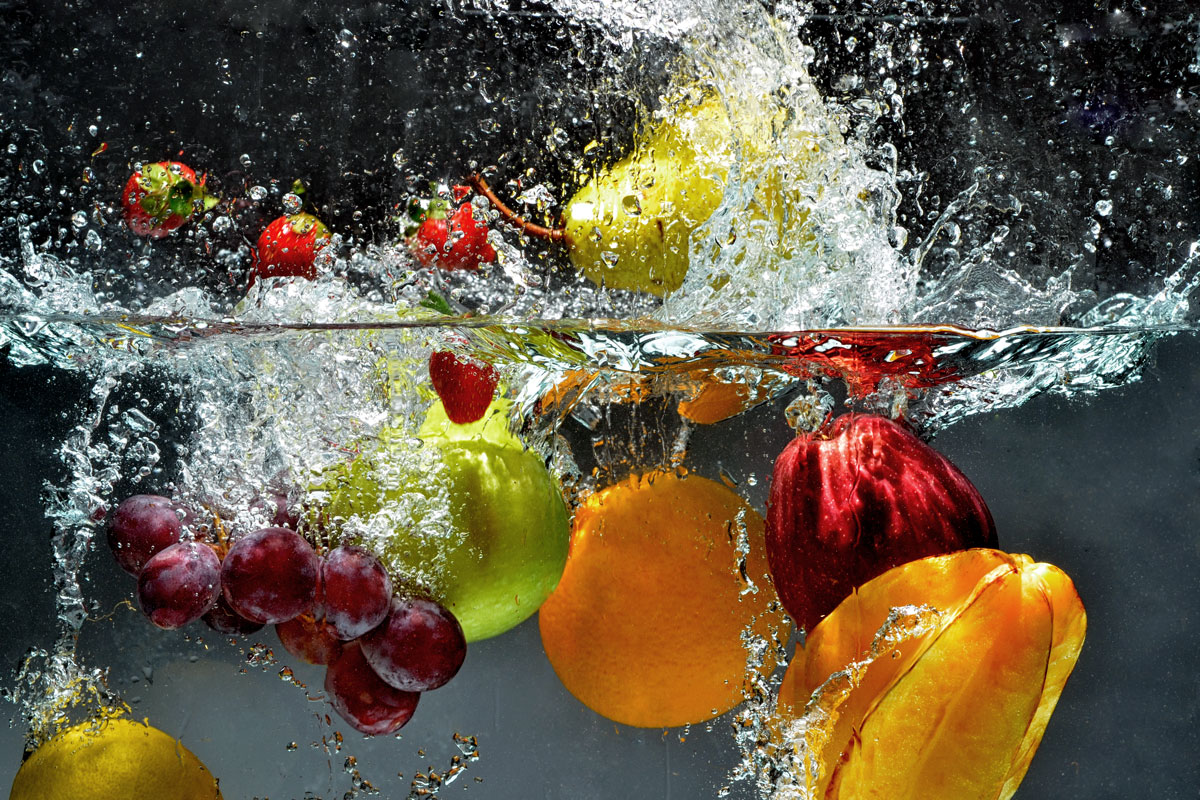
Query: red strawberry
162	196
288	248
850	505
466	388
459	242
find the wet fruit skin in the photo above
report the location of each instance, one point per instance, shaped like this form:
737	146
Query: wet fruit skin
419	647
141	526
114	759
465	387
179	584
161	197
362	698
508	529
849	505
645	627
356	591
270	576
223	619
288	247
955	710
310	640
455	243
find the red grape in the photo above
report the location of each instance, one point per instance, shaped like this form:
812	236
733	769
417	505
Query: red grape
141	526
358	591
418	647
223	619
179	584
309	639
270	575
362	699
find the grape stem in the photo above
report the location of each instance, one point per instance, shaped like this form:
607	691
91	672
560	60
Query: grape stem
531	228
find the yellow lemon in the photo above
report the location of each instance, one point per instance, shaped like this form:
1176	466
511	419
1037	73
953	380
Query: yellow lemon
115	759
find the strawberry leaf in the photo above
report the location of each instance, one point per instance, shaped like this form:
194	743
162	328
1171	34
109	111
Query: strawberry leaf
437	303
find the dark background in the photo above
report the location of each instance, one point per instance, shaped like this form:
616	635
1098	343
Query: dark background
1106	489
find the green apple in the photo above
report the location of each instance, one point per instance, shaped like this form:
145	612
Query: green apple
469	514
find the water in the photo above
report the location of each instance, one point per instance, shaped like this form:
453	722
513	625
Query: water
919	215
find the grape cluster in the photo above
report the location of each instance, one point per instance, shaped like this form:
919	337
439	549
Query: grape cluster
381	650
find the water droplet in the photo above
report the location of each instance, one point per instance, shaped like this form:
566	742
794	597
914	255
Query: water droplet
93	130
79	220
93	242
292	203
632	205
1104	207
244	159
345	38
258	192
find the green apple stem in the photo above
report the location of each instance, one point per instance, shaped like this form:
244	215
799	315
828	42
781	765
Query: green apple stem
531	228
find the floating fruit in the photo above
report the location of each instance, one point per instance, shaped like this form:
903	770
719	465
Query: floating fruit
310	640
113	759
451	239
631	226
162	196
956	707
502	522
847	505
357	591
646	625
288	247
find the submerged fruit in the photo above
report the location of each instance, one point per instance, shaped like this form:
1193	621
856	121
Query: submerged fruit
500	515
646	626
465	387
113	759
956	708
868	496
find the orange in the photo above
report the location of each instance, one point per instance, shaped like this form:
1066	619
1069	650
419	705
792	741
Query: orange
645	627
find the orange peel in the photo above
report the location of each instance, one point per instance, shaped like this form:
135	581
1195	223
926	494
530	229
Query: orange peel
645	626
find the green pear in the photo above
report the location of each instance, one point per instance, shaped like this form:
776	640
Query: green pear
475	519
630	226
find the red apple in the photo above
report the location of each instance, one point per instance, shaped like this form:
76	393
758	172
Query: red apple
851	503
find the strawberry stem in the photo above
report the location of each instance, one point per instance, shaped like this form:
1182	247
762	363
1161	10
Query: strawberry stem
531	228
